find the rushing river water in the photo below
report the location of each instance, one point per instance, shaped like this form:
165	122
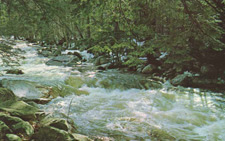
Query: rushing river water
114	107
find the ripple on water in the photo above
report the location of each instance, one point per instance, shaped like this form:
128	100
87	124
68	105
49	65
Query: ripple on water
142	114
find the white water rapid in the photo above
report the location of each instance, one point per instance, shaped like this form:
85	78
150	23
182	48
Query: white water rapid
113	108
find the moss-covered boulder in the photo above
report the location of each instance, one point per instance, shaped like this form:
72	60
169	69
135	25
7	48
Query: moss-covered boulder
12	137
6	94
19	108
49	133
80	137
4	129
23	128
56	122
74	81
16	125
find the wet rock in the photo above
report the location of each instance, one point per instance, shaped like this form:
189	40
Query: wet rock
74	81
17	125
80	137
12	137
182	79
23	88
62	60
46	53
6	94
148	69
104	66
14	71
49	133
19	108
75	54
39	100
56	122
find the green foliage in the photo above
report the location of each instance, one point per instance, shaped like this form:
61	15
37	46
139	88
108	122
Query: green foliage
187	31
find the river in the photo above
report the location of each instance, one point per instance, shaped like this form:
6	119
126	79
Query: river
115	107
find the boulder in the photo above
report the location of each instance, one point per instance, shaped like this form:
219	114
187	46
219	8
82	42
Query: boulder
148	69
56	122
103	66
46	53
4	129
182	79
14	71
75	54
49	133
23	128
19	108
6	94
80	137
12	137
17	125
63	60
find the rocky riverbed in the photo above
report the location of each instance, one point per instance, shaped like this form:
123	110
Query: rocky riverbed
66	100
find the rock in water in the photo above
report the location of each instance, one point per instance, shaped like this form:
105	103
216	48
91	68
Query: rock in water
62	60
181	79
6	94
14	71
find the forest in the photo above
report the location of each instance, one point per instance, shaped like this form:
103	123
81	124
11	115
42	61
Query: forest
190	34
181	42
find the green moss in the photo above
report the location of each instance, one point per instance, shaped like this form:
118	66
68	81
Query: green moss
74	81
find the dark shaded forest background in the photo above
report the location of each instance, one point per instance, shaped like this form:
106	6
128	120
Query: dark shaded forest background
174	36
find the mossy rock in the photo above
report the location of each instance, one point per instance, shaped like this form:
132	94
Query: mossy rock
49	133
56	122
4	129
81	92
20	109
80	137
17	125
12	137
23	128
6	94
74	81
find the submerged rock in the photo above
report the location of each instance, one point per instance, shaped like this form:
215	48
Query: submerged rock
14	71
62	60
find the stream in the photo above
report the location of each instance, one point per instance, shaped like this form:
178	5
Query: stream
115	106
